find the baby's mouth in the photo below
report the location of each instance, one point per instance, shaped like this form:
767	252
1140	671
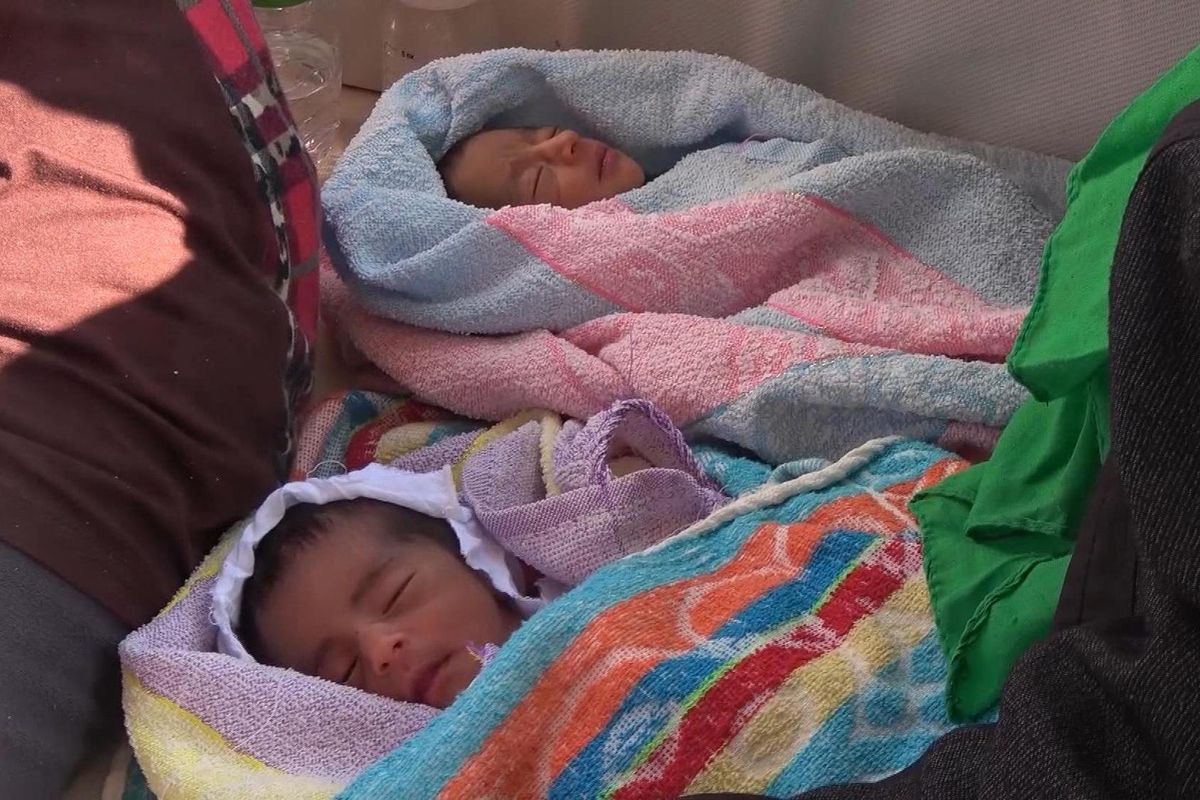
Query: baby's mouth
605	155
427	682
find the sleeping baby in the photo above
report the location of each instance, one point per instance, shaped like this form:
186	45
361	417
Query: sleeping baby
403	584
528	166
379	580
372	595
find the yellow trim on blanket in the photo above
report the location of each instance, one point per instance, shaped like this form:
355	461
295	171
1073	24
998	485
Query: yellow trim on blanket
551	426
786	723
402	440
184	758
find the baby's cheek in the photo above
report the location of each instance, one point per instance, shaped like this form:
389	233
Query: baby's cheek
466	670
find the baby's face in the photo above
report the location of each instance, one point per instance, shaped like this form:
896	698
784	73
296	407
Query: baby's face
527	166
388	615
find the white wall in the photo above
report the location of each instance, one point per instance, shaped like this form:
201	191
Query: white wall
1041	74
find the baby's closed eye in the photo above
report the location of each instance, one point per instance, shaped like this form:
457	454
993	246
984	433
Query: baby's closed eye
398	593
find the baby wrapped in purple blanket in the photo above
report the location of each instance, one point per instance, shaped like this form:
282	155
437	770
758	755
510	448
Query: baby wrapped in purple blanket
383	581
393	580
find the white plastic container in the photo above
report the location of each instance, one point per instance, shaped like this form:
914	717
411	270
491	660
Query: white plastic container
302	37
419	31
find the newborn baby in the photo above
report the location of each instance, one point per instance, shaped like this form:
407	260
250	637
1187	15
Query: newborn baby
372	595
528	166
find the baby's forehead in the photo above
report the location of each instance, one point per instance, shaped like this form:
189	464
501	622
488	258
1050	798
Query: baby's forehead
500	136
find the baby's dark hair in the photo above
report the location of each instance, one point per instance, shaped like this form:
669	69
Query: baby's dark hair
304	524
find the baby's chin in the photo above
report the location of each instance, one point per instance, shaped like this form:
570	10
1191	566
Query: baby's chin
630	174
460	671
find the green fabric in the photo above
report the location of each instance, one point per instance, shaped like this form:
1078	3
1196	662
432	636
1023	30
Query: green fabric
998	536
136	787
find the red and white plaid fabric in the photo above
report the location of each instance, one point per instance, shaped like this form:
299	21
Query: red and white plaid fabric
241	64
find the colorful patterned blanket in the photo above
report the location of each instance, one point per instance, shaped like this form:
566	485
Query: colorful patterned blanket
799	278
774	650
783	640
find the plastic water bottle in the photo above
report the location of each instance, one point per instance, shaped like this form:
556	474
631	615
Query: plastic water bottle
302	37
419	31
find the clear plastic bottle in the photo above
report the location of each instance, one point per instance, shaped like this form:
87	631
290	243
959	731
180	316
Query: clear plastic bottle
419	31
302	37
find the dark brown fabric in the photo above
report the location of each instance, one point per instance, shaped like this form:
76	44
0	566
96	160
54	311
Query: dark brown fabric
1101	582
141	353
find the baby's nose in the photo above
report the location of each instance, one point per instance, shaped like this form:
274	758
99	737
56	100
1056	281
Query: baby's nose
562	146
383	649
